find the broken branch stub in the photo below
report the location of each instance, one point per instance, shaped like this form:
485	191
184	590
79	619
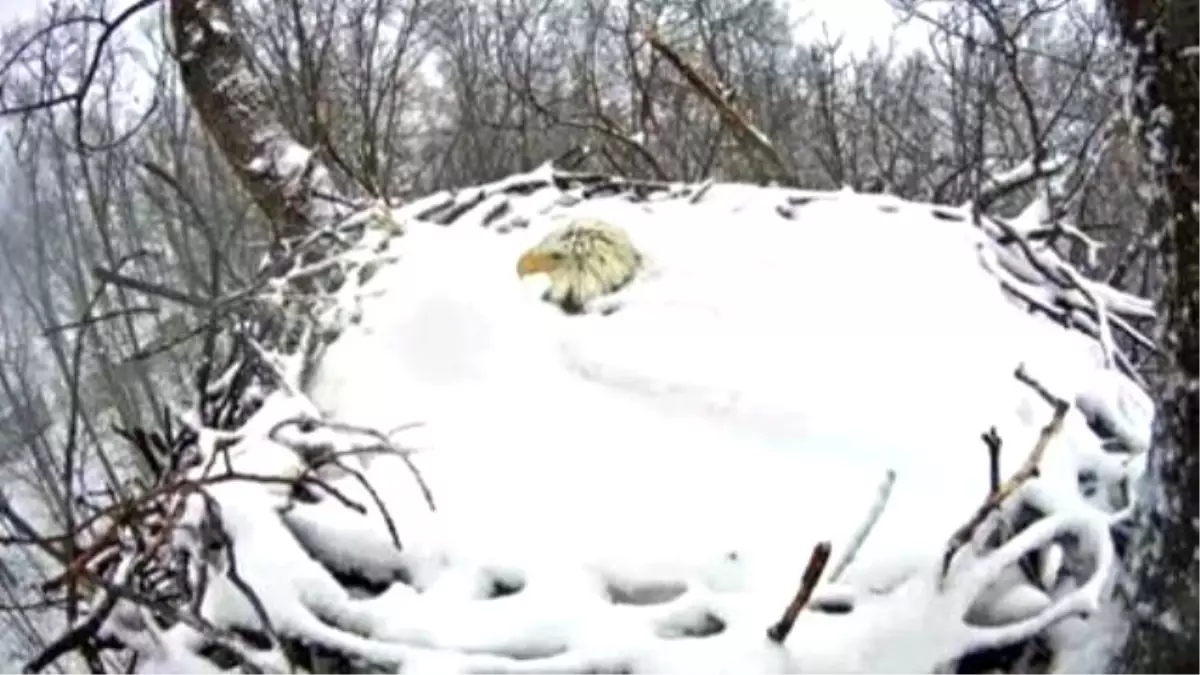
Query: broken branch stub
778	632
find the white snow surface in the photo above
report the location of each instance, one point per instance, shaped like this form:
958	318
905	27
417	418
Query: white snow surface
742	403
733	386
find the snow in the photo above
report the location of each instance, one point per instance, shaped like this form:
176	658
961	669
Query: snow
648	484
1022	174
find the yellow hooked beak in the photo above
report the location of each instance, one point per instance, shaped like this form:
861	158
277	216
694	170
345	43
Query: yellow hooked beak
533	262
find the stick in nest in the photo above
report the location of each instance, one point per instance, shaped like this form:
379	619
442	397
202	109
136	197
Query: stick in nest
812	574
991	438
1027	472
864	530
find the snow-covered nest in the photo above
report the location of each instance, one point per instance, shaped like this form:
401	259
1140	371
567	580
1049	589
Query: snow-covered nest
798	413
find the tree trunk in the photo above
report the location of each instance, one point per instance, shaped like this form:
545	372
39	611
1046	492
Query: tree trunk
1162	598
289	184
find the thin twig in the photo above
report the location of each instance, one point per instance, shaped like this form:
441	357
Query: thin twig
99	318
74	638
150	288
1025	378
213	510
383	441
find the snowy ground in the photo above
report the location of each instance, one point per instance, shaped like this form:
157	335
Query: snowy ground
647	485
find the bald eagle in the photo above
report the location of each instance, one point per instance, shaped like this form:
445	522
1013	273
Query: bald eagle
585	260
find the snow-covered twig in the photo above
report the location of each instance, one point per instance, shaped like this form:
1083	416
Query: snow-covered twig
864	530
1026	173
1066	287
1027	472
1025	378
1084	287
384	445
701	190
212	510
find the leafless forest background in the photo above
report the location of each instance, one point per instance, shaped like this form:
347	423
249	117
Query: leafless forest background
103	176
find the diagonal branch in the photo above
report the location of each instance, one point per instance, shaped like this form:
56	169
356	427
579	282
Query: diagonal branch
283	176
754	142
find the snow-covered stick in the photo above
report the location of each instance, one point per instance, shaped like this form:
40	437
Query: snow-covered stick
864	530
1028	380
1027	472
1022	175
1066	287
328	456
382	445
778	632
212	510
573	157
1049	302
701	191
1084	286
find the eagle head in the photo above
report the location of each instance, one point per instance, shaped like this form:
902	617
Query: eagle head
584	260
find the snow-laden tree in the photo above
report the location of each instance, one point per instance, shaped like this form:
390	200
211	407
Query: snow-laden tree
1163	97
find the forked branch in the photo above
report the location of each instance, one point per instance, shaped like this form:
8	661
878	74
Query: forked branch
1027	472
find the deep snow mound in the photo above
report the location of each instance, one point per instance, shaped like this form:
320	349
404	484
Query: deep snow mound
910	426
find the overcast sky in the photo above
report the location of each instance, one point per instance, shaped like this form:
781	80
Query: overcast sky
860	21
12	9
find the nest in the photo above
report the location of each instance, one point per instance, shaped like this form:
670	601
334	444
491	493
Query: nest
181	573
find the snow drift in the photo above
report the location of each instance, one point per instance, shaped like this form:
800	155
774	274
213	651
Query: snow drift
417	465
